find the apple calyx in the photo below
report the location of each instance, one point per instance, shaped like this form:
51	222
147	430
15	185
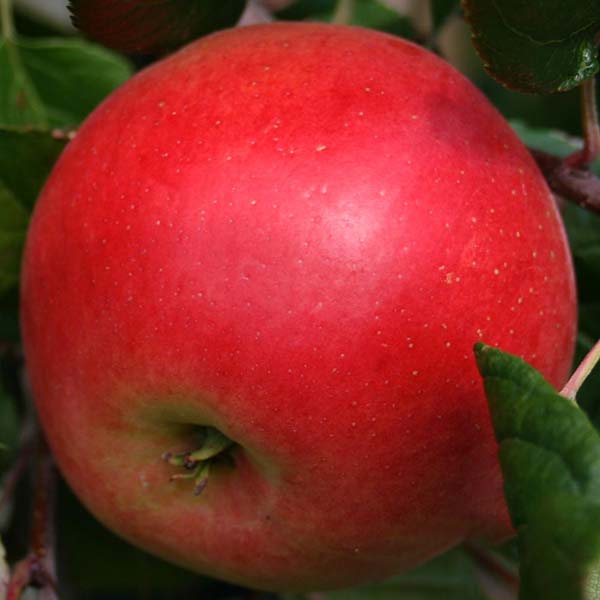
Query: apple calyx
197	462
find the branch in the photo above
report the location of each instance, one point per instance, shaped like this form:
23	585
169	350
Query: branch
575	183
24	458
37	569
571	177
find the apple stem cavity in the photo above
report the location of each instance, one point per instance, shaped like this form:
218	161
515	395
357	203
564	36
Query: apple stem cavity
581	372
197	463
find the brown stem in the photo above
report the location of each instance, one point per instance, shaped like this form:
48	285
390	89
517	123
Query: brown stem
37	569
574	183
24	457
571	177
591	129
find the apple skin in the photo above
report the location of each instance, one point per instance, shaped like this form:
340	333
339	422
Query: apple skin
293	233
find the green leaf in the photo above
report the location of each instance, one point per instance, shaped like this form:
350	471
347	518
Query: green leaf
536	46
143	27
26	158
13	227
451	576
366	13
321	10
377	15
20	103
54	82
551	141
550	457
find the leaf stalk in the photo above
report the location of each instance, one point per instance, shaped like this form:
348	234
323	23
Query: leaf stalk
590	126
581	373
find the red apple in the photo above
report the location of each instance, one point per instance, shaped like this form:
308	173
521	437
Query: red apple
292	234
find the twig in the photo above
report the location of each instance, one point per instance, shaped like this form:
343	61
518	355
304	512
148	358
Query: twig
37	569
24	457
571	177
574	183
